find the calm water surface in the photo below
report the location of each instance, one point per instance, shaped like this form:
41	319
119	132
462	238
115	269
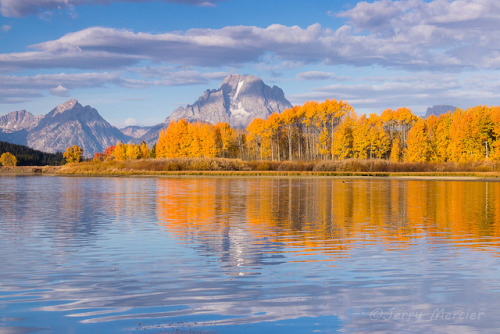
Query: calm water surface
249	255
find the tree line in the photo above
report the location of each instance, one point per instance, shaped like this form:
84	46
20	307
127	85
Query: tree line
26	156
331	130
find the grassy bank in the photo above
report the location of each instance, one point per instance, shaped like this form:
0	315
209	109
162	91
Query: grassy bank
29	170
236	167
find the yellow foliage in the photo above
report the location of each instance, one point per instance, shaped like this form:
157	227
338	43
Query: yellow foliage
418	144
73	154
8	159
120	152
132	151
343	140
395	150
145	152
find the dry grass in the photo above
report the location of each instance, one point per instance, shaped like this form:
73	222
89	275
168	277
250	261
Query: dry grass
154	165
236	167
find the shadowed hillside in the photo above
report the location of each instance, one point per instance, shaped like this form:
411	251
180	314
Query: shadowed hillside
29	157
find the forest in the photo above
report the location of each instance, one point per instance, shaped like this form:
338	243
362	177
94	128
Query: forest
29	157
332	130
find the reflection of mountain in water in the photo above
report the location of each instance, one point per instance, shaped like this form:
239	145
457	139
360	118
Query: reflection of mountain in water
72	210
210	214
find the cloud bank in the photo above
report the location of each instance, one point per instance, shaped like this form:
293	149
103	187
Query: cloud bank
22	8
413	35
14	89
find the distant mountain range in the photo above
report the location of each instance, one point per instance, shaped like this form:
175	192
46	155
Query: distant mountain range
237	101
68	124
438	110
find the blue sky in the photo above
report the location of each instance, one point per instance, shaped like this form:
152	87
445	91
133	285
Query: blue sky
135	61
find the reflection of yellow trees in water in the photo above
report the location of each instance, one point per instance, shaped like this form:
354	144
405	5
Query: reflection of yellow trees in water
331	216
196	207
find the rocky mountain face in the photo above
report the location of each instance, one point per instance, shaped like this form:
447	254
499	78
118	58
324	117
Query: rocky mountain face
14	126
135	131
18	120
438	110
237	101
151	136
73	124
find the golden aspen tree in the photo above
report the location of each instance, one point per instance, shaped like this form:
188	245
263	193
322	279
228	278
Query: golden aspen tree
390	120
309	112
343	140
406	119
328	115
132	151
418	145
225	136
442	137
255	132
145	152
73	154
495	118
431	124
208	144
195	149
8	159
273	132
379	140
396	150
398	123
289	119
120	152
161	145
468	133
361	138
175	141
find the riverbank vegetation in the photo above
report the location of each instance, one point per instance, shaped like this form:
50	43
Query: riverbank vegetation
224	166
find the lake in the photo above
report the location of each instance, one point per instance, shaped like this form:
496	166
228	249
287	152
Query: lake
248	255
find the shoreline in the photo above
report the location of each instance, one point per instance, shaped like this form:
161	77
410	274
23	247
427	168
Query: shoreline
431	176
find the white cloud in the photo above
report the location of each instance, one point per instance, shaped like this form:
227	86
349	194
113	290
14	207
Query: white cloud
23	88
164	76
130	122
416	91
49	81
16	89
5	27
21	8
60	91
18	95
